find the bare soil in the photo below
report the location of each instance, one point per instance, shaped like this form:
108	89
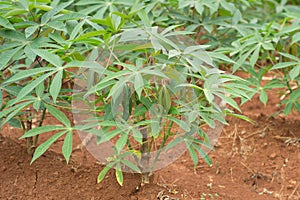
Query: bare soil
250	161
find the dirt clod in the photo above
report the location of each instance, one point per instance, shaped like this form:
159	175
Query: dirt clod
273	156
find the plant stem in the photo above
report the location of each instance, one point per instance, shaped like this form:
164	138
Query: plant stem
39	125
145	158
166	136
29	140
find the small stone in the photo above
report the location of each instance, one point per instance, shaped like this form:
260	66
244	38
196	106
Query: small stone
265	144
4	168
273	156
99	187
55	173
292	182
289	187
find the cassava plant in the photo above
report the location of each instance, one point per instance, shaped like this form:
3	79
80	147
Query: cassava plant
150	97
31	64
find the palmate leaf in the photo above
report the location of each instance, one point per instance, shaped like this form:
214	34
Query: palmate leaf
203	154
30	30
41	129
109	135
60	116
6	56
5	23
294	73
42	148
181	123
241	61
290	56
193	154
296	38
50	57
53	11
263	97
155	128
119	174
90	34
121	142
91	65
137	135
104	171
107	81
220	56
25	74
76	30
55	86
15	123
31	86
242	117
174	142
14	12
57	25
254	56
131	165
283	65
67	146
13	35
5	112
29	54
138	84
144	17
15	111
292	103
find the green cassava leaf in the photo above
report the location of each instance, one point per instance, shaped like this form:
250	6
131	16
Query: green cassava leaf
59	115
296	38
6	56
104	171
55	86
181	123
138	84
15	111
131	165
263	97
295	72
31	86
42	148
50	57
193	155
283	65
67	146
30	30
25	74
42	129
6	23
119	174
203	154
121	142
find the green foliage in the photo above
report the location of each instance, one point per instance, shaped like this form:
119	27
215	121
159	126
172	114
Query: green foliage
136	56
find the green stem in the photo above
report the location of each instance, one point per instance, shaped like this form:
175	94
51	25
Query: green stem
166	136
287	82
39	125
